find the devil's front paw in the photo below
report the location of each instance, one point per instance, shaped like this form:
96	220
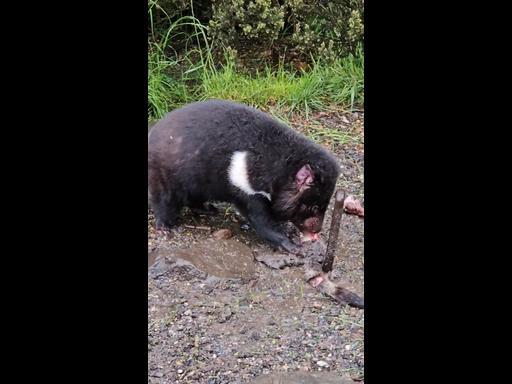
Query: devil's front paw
291	247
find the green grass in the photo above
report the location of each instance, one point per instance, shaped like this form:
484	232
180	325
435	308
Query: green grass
330	136
176	79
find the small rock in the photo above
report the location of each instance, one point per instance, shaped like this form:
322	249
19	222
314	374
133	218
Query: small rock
180	371
159	267
322	364
222	234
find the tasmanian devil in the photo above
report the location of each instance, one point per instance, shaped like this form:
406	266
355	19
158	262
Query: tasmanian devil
219	150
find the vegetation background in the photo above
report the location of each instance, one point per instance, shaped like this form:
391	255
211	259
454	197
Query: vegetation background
283	56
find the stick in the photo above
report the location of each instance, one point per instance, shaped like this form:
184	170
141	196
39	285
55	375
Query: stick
197	227
334	231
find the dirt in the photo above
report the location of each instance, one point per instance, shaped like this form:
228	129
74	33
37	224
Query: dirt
216	315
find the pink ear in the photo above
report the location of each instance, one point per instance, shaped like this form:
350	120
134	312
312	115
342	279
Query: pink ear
304	177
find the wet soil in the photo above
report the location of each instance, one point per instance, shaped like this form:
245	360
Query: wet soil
216	315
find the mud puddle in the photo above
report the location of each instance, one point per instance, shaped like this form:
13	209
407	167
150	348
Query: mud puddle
220	258
152	258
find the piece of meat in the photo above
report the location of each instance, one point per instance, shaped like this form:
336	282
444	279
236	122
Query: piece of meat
353	206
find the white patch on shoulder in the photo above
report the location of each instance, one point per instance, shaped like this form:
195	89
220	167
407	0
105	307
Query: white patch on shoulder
238	176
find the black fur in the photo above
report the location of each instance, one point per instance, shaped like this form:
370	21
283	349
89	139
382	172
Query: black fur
190	150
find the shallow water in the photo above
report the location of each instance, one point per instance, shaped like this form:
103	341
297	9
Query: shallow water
152	258
221	258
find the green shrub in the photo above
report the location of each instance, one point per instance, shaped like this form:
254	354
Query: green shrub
326	29
240	22
320	29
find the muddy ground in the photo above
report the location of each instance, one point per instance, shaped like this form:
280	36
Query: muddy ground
253	320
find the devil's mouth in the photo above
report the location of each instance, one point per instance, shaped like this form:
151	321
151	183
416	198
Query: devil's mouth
307	236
